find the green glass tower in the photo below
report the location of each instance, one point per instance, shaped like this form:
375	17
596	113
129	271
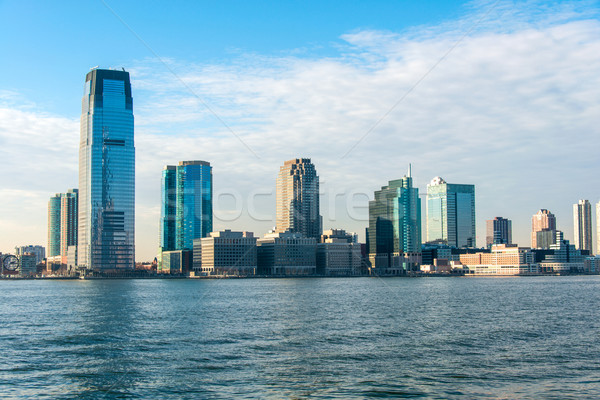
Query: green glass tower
451	213
53	248
394	222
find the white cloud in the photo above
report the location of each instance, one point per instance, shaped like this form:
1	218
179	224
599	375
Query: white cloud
513	108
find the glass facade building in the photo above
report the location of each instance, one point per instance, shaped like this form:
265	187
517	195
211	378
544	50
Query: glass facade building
451	213
395	219
498	231
68	222
106	226
53	248
186	210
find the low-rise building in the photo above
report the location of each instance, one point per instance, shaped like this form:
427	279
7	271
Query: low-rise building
565	258
27	264
176	262
229	253
502	260
338	258
286	253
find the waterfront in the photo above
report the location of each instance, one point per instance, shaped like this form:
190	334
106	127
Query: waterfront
534	337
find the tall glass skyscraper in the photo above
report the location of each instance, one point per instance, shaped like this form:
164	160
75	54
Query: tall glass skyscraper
451	213
106	232
297	198
394	221
53	248
68	221
186	211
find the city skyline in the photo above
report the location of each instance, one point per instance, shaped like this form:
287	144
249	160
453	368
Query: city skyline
269	99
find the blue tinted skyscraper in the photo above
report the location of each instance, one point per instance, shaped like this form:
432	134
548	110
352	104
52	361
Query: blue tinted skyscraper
394	223
186	211
451	213
106	230
53	248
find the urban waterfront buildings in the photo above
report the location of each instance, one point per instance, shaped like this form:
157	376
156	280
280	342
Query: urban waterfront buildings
68	222
39	251
598	228
229	253
286	253
394	233
338	254
53	247
297	199
582	230
186	209
450	213
106	226
498	231
543	221
502	260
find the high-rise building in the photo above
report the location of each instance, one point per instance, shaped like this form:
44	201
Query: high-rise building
543	220
598	228
582	230
298	198
394	225
53	248
106	231
168	210
498	231
186	211
451	213
68	222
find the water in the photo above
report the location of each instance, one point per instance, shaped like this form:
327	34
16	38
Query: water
494	338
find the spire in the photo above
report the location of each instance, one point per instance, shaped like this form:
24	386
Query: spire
409	170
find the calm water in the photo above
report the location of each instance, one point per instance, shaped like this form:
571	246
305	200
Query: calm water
492	338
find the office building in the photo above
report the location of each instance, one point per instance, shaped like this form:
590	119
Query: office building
338	258
297	199
582	230
53	247
27	264
286	253
598	228
543	220
498	231
502	260
394	233
68	222
168	210
564	258
106	226
339	235
229	253
39	251
451	213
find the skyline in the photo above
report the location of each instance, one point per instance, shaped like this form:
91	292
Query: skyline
527	109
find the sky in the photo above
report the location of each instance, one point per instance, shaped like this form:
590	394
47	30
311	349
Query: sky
504	95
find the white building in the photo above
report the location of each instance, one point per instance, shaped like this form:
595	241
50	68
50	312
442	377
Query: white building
229	253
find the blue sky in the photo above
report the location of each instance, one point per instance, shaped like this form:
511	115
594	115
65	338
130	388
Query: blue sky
504	95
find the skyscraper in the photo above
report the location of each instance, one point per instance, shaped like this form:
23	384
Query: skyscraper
598	228
451	213
68	222
498	231
582	230
543	221
53	248
186	211
298	198
394	223
106	231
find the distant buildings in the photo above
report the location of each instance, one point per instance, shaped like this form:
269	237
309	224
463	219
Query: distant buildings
62	226
186	209
106	226
598	228
582	230
338	254
286	253
543	221
229	253
297	199
394	233
27	264
451	213
498	231
502	260
39	251
53	248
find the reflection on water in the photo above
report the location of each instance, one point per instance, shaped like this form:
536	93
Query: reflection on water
298	338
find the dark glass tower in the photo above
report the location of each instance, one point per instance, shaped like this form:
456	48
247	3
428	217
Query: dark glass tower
106	227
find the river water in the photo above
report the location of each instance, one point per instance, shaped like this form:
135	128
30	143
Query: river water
438	338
